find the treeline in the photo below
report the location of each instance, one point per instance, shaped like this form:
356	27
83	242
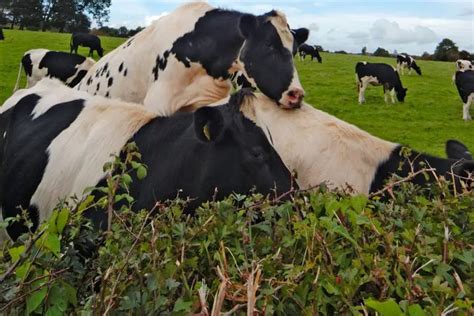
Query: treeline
60	15
445	51
117	32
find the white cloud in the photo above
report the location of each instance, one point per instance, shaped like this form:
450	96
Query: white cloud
390	32
313	27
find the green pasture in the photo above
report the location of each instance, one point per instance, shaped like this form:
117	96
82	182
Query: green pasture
431	114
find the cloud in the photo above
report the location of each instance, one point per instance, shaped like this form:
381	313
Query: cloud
313	27
391	32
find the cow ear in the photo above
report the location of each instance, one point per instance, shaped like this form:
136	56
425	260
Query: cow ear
248	24
457	150
208	124
301	35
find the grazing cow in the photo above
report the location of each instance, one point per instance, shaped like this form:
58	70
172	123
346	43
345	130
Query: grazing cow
305	49
465	84
41	63
185	59
378	74
406	61
2	37
87	40
462	64
57	141
320	148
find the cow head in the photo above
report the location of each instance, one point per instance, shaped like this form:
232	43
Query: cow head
240	148
417	68
100	51
401	94
266	56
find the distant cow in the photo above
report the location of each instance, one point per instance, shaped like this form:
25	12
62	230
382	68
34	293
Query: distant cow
320	148
185	59
57	141
305	49
87	40
41	63
462	64
379	74
465	84
406	61
2	37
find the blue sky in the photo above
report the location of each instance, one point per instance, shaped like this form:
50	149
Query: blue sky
412	26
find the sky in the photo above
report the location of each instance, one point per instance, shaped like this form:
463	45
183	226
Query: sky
412	26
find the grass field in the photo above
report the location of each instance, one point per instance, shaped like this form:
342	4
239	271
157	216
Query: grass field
431	114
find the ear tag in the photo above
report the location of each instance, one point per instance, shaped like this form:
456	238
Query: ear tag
206	131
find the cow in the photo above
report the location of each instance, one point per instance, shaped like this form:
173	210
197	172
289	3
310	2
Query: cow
462	64
57	141
457	150
305	49
87	40
406	61
379	74
40	63
464	81
185	60
2	37
320	148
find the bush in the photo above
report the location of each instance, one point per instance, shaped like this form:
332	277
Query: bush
313	252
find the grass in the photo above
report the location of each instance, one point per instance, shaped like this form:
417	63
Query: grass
431	114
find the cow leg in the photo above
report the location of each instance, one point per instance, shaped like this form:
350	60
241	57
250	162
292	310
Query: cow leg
409	71
362	87
465	108
398	68
392	95
91	53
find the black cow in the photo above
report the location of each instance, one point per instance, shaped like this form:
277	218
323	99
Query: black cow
40	63
2	37
57	150
457	150
379	74
406	61
87	40
465	84
305	49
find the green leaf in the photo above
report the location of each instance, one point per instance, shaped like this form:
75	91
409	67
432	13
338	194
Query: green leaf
141	172
181	305
415	310
61	221
71	293
358	203
16	252
35	300
387	308
52	243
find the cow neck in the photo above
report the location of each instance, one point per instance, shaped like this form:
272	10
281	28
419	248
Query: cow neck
319	146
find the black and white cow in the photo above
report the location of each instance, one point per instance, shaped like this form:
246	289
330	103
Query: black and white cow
41	63
406	61
463	64
87	40
465	84
305	49
379	74
57	141
457	150
320	148
185	59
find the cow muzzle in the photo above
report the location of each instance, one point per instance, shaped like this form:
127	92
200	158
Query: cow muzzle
292	99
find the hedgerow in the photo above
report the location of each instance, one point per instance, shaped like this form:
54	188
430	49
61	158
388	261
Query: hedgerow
303	253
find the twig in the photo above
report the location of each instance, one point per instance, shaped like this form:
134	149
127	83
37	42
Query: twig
21	259
252	287
389	186
221	292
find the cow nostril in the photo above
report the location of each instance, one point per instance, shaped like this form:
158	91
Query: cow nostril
296	94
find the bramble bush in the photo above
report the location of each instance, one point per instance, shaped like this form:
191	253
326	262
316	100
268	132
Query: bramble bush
305	253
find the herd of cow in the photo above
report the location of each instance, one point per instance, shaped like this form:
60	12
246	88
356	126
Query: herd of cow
58	133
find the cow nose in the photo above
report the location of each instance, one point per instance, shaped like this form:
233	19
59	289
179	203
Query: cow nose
295	96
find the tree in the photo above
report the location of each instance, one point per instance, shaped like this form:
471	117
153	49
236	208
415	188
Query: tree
364	50
381	52
446	51
464	54
426	56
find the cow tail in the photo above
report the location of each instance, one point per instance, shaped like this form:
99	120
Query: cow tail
18	77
